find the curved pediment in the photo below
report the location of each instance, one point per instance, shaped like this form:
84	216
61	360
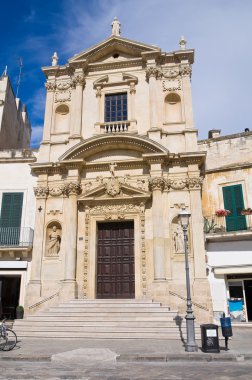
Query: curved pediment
113	145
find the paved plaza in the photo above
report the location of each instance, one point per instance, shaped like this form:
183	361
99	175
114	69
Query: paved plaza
125	371
126	359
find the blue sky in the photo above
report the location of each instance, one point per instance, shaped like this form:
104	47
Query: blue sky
219	31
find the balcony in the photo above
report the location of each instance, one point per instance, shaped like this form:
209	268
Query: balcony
16	237
223	224
116	127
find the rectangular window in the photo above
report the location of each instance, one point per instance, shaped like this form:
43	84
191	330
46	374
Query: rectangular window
233	201
116	107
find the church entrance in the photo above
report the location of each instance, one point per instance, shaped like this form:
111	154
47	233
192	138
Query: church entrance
115	260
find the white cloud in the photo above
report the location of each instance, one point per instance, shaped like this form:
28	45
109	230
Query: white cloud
36	136
36	104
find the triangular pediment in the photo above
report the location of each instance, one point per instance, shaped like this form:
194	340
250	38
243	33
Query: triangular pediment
114	188
113	48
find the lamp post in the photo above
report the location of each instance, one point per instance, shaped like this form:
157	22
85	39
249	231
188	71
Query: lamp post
191	345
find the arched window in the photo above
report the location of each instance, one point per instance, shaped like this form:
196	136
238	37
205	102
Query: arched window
62	118
173	108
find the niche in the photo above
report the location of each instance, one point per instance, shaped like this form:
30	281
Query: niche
62	119
173	108
53	239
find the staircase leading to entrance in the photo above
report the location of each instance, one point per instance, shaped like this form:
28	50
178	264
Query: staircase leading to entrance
103	319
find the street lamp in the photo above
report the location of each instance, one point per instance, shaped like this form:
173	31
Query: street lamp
191	345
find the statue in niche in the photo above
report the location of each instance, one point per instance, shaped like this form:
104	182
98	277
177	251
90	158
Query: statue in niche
53	247
178	238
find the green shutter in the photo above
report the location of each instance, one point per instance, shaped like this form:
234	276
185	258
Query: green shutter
11	211
233	201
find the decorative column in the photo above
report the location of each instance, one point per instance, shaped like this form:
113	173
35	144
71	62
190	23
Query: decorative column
34	286
79	80
157	186
152	73
72	189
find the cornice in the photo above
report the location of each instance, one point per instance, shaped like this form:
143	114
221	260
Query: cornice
230	167
56	167
56	71
131	62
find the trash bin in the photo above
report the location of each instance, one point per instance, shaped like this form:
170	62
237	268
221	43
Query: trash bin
210	338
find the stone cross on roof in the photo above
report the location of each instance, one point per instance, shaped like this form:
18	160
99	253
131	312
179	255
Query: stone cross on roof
116	27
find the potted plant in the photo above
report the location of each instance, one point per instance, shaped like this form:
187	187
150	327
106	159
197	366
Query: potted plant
19	312
246	211
222	212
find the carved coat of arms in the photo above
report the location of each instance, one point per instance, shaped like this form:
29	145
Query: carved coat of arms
113	186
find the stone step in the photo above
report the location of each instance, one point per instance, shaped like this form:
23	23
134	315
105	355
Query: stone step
102	335
112	309
113	301
103	319
106	315
105	329
107	305
89	323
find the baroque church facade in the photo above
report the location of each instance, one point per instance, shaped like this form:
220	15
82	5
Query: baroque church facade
118	160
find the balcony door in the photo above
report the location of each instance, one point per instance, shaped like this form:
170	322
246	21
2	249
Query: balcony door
115	260
233	201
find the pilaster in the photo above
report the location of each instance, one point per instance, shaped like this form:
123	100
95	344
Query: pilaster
79	81
68	289
152	73
34	286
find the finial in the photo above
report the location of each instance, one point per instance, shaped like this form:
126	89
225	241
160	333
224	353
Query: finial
116	27
182	43
55	59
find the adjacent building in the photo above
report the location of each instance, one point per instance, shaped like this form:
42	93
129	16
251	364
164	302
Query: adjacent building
227	209
17	201
15	129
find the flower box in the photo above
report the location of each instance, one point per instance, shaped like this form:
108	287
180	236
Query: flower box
246	211
222	212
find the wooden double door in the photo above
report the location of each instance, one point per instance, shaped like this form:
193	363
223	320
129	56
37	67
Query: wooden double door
115	260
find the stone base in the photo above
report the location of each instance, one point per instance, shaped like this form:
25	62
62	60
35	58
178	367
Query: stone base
173	295
68	290
33	295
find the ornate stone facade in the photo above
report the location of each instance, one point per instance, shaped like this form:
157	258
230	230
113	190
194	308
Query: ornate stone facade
95	172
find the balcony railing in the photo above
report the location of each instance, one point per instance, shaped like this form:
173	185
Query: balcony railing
115	127
218	224
16	236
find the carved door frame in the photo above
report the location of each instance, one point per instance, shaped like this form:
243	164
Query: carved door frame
120	213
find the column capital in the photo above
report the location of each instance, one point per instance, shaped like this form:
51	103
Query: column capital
153	72
156	183
72	188
50	85
186	70
195	183
79	79
41	192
